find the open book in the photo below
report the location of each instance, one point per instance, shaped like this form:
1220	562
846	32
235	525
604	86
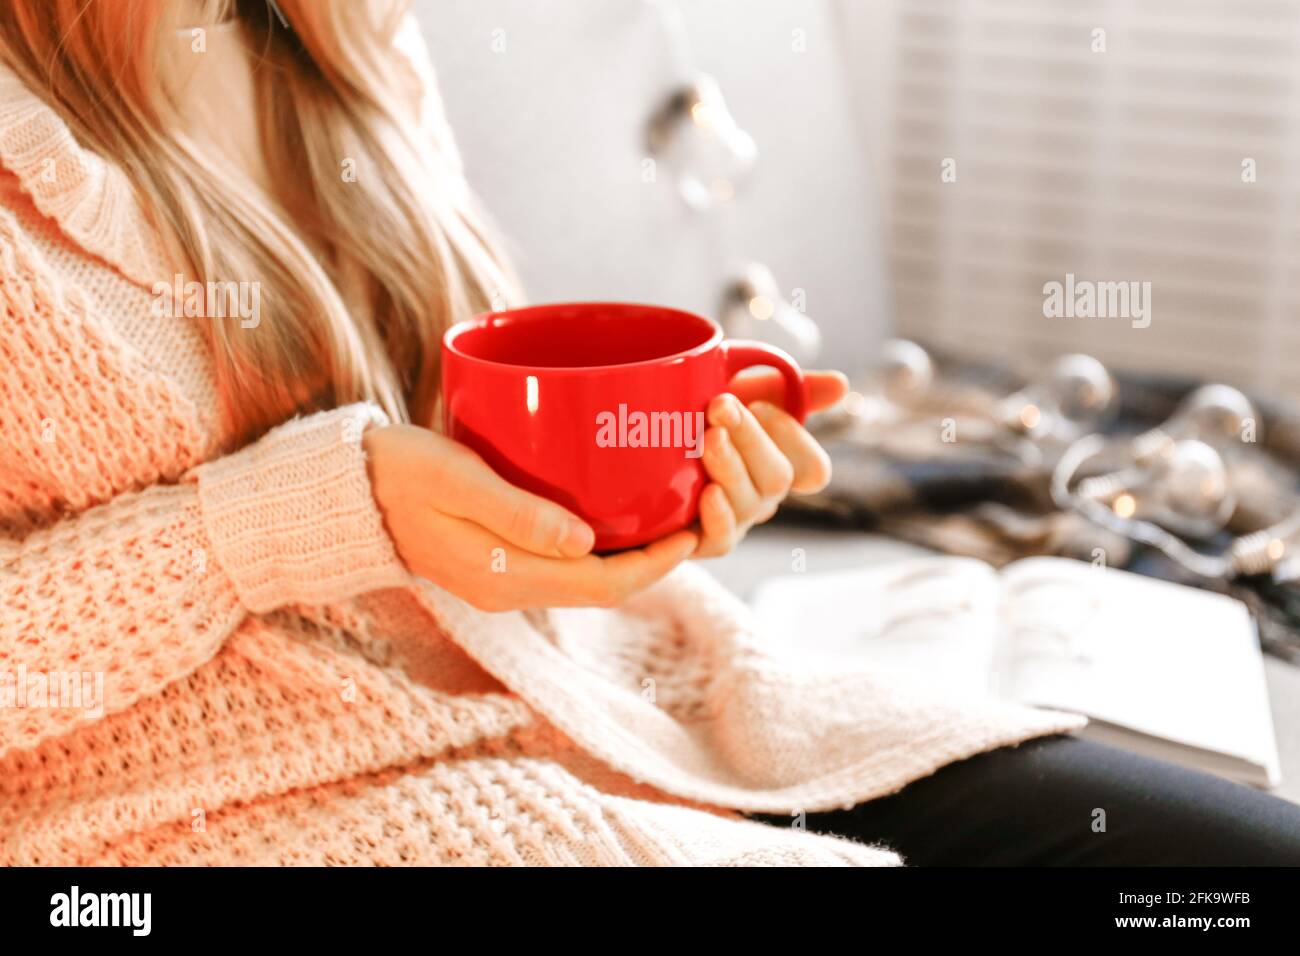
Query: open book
1162	669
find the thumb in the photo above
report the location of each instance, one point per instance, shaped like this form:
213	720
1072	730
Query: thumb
472	490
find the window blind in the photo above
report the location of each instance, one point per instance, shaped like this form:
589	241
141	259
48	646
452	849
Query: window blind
1151	141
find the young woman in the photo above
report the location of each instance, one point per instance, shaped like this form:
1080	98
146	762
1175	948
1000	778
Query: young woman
248	605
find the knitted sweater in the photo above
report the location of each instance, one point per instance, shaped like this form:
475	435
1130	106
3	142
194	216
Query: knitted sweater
277	688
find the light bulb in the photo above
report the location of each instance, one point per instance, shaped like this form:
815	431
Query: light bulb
1074	397
753	307
1219	415
901	381
1268	549
906	371
1185	491
697	138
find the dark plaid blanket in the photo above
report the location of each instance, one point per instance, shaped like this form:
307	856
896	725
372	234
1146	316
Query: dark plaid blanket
973	496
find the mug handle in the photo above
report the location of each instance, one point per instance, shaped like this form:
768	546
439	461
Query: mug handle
740	354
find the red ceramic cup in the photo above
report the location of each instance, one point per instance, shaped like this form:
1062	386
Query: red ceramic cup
598	406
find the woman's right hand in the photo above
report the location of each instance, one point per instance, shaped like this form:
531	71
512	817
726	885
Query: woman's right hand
459	524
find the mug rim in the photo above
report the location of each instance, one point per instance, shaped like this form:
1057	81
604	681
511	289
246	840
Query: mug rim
483	318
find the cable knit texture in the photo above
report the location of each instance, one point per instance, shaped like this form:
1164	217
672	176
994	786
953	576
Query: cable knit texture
278	689
294	520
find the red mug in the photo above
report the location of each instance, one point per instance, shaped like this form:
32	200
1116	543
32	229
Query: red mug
599	406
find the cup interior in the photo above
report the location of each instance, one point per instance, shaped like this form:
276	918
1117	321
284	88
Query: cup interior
581	335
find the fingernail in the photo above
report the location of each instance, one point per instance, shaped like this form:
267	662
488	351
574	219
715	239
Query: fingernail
578	538
729	411
734	411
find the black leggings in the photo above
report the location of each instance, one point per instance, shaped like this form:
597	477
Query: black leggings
1038	804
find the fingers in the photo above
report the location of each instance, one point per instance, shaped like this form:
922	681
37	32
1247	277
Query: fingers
824	388
811	464
770	471
755	456
603	582
724	465
633	571
493	575
471	489
721	531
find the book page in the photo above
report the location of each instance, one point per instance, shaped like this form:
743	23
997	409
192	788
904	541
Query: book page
933	617
1163	659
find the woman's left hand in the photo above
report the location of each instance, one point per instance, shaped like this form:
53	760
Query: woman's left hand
755	454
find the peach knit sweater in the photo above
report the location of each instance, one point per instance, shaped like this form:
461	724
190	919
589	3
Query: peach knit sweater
278	689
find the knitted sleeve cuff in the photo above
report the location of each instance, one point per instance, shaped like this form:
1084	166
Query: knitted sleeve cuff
292	518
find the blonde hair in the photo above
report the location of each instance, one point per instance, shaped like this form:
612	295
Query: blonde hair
327	89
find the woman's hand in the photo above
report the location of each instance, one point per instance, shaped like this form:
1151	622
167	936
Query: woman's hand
755	454
498	547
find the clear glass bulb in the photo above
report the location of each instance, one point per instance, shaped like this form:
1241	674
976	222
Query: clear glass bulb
1276	549
695	136
1219	415
1185	491
906	371
754	308
1075	397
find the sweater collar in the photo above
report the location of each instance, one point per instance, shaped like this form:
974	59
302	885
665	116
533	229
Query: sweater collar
90	198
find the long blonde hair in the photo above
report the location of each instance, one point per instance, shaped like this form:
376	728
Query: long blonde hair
327	88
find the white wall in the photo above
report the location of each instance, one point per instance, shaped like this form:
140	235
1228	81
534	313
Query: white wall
552	129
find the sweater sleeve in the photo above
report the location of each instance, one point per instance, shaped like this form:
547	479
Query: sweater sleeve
142	590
